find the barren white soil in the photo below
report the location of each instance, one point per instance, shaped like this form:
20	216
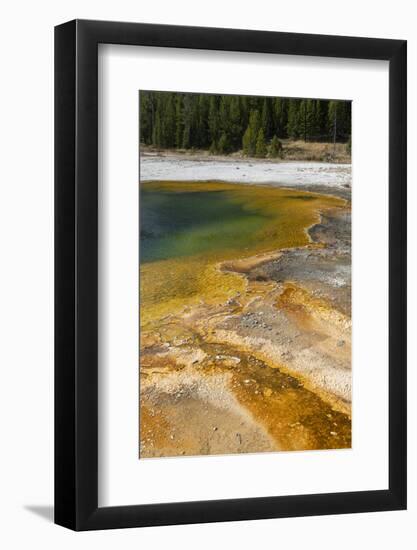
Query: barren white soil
289	174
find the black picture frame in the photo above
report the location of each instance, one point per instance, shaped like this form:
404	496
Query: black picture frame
76	272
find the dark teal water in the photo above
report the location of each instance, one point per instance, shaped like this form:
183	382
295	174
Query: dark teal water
185	224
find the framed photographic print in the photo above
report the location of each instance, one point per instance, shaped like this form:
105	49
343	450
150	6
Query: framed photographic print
230	234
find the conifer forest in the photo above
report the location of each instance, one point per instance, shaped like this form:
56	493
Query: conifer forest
225	124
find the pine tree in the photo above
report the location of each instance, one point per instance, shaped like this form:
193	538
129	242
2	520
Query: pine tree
201	118
260	144
224	114
278	115
179	127
213	120
244	111
332	121
169	118
156	134
254	122
266	117
275	148
235	126
311	122
344	120
255	125
247	141
339	119
186	118
302	119
349	145
293	119
145	117
319	109
224	144
251	134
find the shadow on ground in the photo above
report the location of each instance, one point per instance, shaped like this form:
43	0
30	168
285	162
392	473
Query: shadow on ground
45	512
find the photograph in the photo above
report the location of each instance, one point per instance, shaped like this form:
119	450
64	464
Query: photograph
245	274
208	335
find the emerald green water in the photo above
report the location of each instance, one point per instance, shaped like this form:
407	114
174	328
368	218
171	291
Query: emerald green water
175	225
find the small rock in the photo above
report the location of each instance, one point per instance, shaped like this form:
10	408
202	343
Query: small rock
333	433
215	428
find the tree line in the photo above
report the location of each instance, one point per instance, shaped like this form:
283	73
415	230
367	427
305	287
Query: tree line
228	123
